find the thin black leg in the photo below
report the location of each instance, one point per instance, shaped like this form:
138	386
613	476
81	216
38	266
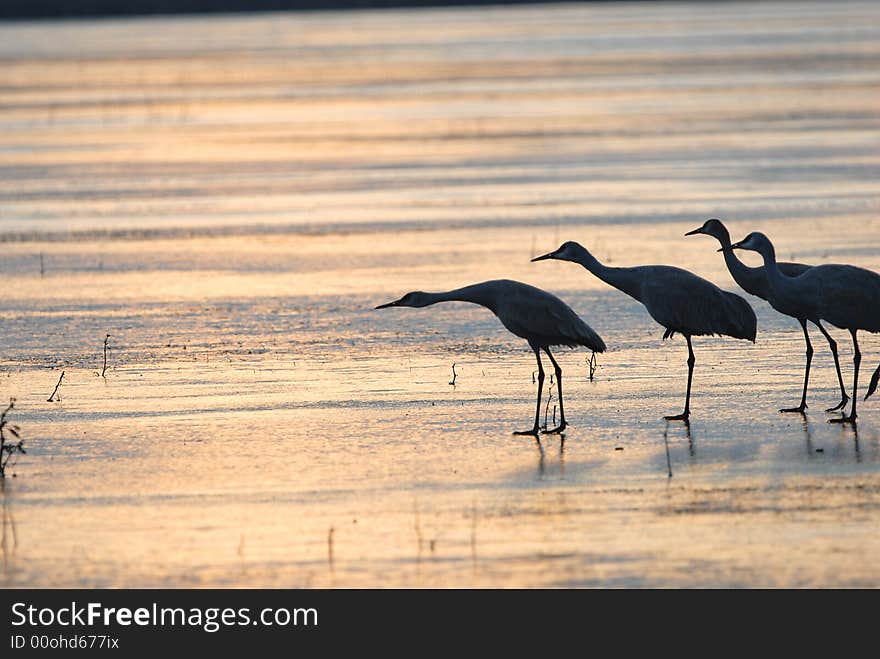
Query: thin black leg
562	424
844	399
857	360
535	430
800	408
684	416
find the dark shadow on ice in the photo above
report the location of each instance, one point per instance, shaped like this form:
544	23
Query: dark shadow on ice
692	451
542	454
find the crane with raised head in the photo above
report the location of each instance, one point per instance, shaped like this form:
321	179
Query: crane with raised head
679	300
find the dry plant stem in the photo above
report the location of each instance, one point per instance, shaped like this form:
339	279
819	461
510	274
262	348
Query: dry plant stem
547	410
8	451
51	398
104	370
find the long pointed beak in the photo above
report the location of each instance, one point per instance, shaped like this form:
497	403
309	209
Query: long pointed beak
388	304
542	258
736	245
695	231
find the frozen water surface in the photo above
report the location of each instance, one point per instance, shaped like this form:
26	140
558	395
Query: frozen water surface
229	198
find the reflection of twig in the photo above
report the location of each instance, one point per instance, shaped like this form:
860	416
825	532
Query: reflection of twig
330	547
454	375
55	391
666	441
541	467
7	520
592	363
104	370
474	531
418	527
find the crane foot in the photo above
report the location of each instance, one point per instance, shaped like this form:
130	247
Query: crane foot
798	410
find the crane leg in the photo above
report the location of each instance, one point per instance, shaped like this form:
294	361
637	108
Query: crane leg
535	430
857	360
685	416
800	408
844	399
562	424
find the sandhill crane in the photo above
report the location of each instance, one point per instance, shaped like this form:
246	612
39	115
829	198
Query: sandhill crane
535	315
846	296
754	281
677	299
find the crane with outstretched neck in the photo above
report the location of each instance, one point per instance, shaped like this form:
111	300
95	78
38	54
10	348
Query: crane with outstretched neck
530	313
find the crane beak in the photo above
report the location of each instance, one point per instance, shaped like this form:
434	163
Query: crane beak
736	246
543	258
695	231
396	303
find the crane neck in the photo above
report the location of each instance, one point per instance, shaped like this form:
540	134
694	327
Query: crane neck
740	272
476	293
778	282
768	253
623	279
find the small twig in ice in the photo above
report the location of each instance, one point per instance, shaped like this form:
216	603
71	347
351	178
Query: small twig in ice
104	370
592	364
454	375
547	410
42	267
51	399
7	451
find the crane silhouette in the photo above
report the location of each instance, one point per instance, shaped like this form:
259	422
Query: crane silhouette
535	315
679	300
846	296
754	281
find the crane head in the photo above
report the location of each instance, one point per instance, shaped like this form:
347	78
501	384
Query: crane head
714	228
414	299
756	242
566	252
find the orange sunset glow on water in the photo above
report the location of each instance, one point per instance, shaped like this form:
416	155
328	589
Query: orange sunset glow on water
229	198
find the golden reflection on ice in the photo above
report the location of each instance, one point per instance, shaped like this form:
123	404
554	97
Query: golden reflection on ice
230	197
